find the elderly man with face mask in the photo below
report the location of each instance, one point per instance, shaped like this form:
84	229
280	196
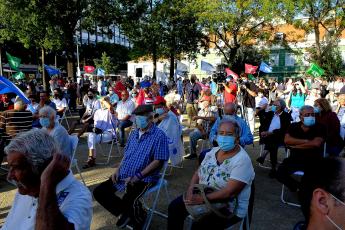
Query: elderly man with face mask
48	196
144	155
204	120
322	195
49	124
305	140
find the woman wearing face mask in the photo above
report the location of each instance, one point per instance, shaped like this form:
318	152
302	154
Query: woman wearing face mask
47	117
226	168
297	99
329	119
60	102
322	195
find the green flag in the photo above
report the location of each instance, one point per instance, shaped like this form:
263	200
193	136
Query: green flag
14	62
19	75
251	77
315	70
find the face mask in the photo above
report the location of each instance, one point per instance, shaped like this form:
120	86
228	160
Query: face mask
90	97
260	95
44	121
56	95
141	122
111	92
160	111
317	109
193	81
273	108
226	143
229	116
330	220
309	121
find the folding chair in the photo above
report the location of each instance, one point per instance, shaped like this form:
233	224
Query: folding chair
156	189
113	141
262	149
74	162
64	118
297	174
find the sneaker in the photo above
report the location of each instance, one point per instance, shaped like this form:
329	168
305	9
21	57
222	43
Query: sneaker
123	221
91	162
190	156
261	160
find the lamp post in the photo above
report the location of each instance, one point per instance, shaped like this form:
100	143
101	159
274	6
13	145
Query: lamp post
78	66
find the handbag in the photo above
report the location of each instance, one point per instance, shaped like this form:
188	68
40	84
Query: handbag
200	211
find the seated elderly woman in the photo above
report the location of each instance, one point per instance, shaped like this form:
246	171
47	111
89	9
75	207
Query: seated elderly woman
104	130
226	168
47	118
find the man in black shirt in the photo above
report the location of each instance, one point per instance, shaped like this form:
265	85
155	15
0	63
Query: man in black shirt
305	140
192	91
249	92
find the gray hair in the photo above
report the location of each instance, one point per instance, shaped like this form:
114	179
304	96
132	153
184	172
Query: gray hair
47	110
305	107
282	103
36	145
237	127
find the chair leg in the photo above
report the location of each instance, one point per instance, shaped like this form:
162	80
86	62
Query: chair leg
282	198
167	193
81	176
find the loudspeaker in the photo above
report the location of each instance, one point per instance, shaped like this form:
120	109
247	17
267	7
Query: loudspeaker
139	72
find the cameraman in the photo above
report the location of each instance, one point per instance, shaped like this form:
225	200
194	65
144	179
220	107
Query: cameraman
249	92
192	91
230	90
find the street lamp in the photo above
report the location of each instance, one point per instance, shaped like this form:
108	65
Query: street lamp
78	67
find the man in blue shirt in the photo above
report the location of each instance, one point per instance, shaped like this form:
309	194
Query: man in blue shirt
246	137
144	155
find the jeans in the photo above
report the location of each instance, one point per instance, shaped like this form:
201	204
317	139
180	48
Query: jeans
122	125
194	136
177	213
105	195
250	118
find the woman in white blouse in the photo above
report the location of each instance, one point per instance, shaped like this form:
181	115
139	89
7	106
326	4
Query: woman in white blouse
226	168
60	102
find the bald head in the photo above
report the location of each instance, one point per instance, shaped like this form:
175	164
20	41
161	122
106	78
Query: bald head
230	108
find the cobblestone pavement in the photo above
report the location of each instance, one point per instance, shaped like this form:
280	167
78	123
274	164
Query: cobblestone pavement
269	211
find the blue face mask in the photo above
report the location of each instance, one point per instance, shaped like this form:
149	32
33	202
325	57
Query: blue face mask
273	108
317	109
309	121
160	111
45	122
141	121
229	117
226	143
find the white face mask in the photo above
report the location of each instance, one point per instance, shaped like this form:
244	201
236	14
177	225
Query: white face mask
330	220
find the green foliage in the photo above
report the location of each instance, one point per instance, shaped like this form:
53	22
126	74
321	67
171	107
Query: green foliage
106	63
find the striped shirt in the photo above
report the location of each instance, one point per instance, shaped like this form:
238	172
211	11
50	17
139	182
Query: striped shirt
13	122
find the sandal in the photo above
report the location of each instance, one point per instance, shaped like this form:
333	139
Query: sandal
91	162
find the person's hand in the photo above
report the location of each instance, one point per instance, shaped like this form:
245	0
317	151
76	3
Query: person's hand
56	170
195	118
265	134
194	200
115	176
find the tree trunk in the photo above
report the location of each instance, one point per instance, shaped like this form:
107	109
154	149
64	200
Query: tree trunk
317	43
154	60
1	62
44	80
172	66
70	72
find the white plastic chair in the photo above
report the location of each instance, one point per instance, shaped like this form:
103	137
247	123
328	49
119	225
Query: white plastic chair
74	162
297	174
156	189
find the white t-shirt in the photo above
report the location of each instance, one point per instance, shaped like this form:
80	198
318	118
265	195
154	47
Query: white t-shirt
124	108
60	104
238	167
74	201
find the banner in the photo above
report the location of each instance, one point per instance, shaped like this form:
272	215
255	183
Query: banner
315	70
51	71
6	86
265	68
14	62
251	69
231	73
19	75
100	72
205	66
181	68
251	77
89	69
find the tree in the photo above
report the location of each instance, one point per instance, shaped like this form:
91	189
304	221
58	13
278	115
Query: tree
326	20
105	63
230	25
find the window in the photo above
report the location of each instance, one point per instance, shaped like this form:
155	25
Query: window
289	59
274	59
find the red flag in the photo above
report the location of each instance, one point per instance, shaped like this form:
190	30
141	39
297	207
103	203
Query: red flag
89	69
251	69
231	73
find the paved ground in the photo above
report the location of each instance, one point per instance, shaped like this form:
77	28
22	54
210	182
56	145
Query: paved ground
269	211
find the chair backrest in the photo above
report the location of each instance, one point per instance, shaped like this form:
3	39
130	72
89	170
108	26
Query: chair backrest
74	144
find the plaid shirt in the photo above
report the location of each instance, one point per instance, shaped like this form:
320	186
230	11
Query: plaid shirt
139	153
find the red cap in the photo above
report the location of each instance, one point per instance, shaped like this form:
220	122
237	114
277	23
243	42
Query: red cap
159	100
